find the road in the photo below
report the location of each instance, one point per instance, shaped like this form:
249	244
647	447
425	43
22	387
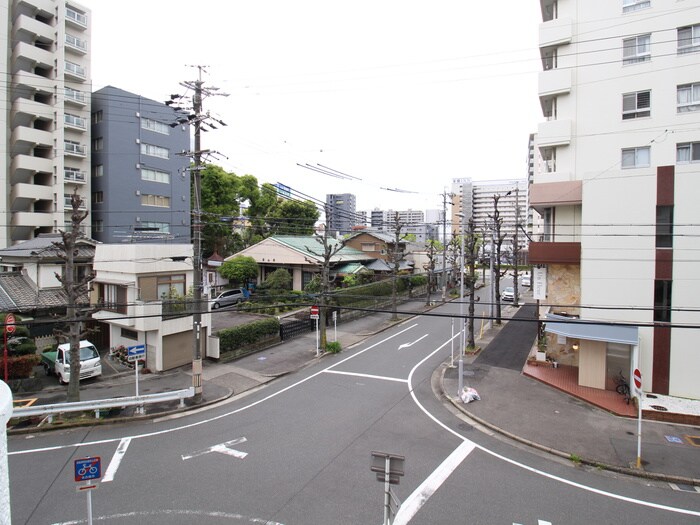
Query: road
298	452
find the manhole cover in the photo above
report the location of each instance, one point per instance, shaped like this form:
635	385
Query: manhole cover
693	440
659	408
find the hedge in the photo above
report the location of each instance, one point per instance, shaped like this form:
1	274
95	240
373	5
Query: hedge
247	334
21	367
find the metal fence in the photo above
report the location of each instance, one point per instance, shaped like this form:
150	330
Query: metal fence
294	327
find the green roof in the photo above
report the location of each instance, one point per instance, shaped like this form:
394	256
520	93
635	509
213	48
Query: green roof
311	246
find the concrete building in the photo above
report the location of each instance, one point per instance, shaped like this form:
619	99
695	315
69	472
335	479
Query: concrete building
45	57
617	186
341	213
140	180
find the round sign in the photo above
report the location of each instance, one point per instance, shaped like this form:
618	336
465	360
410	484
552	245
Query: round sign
314	310
637	378
10	323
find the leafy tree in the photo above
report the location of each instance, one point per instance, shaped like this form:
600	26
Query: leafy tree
220	198
240	269
278	281
292	217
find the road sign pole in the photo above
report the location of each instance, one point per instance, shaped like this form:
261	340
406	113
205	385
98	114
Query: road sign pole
317	351
387	501
637	381
89	505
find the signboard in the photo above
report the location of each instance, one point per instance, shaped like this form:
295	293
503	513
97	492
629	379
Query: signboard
395	467
9	323
87	469
314	312
136	353
539	283
637	376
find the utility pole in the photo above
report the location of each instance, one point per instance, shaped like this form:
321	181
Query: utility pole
516	250
444	244
198	118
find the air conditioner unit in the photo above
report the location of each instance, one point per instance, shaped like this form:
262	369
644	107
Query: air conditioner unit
138	192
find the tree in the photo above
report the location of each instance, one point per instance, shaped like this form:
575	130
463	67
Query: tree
293	217
497	224
432	248
75	289
396	255
220	198
240	269
471	249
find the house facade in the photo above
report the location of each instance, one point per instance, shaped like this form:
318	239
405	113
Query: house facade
616	180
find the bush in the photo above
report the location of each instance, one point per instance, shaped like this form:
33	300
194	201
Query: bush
246	334
21	367
18	346
333	347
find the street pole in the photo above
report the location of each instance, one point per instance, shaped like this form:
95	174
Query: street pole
460	369
197	243
491	281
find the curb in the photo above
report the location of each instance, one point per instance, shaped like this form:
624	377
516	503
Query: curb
670	478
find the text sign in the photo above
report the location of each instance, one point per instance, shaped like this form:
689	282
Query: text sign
135	353
88	468
395	467
10	323
314	312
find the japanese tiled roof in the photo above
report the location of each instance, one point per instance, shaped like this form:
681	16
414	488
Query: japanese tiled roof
18	293
311	247
43	247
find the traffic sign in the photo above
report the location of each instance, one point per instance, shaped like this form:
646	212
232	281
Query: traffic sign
314	312
9	323
136	353
88	468
637	379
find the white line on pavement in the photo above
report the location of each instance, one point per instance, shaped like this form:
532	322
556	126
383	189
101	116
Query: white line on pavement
116	460
368	376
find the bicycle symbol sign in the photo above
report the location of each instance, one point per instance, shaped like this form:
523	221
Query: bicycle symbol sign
88	468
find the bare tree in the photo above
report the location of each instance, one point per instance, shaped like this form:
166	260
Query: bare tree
75	288
431	253
471	250
396	255
499	237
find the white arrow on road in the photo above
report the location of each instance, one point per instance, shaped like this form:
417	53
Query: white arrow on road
221	448
406	345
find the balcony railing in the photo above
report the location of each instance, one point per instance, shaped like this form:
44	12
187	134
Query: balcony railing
75	149
75	96
68	204
78	18
76	70
74	175
76	43
178	307
74	121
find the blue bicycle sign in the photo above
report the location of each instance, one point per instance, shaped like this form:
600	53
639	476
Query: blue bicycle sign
88	468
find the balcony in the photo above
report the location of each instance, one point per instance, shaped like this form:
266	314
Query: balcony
32	137
75	71
38	31
73	149
555	253
74	175
31	56
78	45
554	133
75	122
33	83
24	111
553	194
32	219
28	165
75	97
554	82
23	195
75	18
557	32
68	203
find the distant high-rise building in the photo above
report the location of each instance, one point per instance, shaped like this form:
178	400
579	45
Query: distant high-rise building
140	179
45	57
341	213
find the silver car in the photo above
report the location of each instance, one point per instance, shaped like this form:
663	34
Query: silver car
228	298
508	294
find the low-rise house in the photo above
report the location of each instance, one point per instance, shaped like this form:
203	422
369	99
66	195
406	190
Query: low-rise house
140	290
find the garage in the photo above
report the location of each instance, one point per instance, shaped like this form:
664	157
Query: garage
178	351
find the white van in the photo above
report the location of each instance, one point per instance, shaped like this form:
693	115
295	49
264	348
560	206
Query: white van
90	364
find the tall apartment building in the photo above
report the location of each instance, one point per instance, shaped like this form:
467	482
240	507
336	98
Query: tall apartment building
140	180
476	199
45	58
341	213
385	219
618	186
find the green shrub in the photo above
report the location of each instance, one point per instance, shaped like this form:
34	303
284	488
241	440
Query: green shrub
21	367
246	334
333	347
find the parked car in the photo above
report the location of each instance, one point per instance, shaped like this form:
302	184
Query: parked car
228	298
57	362
526	281
508	294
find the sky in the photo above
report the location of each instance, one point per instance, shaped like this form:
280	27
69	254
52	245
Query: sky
401	95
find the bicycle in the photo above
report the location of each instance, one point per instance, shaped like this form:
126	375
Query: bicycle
622	387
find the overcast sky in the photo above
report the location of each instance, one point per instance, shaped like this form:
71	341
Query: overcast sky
399	94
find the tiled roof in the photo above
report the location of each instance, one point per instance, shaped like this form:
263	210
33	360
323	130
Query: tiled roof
310	246
18	293
42	246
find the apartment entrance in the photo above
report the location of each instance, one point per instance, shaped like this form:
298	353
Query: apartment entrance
617	359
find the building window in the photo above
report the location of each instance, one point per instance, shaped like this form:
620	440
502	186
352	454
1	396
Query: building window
549	159
98	226
664	226
112	297
96	117
154	125
688	97
636	157
155	200
97	197
98	171
688	39
634	5
129	334
171	285
155	151
367	247
97	144
306	278
155	175
636	49
163	227
687	152
636	105
662	301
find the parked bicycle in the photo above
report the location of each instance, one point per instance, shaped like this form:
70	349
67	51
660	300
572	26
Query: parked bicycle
622	387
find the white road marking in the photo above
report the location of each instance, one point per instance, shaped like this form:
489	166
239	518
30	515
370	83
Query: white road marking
221	448
369	376
144	515
415	501
408	345
116	460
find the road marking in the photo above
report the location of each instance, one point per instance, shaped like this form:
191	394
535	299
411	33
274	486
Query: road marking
539	522
369	376
408	345
415	501
116	460
142	516
221	448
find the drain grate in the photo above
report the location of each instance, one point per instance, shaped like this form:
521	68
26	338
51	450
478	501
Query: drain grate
693	440
659	408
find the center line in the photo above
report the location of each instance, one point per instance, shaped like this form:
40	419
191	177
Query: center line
369	376
116	460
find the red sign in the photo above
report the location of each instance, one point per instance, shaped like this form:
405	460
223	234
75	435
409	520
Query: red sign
10	323
314	310
637	378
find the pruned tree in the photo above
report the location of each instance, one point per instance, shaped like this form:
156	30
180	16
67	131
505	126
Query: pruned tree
499	237
76	288
396	254
239	269
432	248
471	251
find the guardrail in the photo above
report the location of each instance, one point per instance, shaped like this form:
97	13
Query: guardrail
98	405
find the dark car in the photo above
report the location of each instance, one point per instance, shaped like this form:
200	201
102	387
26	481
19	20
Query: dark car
228	298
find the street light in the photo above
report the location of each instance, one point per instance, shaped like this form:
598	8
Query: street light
460	366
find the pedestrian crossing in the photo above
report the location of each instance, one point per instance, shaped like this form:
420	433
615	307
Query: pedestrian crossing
539	522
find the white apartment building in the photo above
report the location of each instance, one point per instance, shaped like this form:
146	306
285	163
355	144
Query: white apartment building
617	184
46	61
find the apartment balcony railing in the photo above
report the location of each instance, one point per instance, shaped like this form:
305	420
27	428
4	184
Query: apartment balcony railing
77	44
77	150
71	175
67	203
73	95
76	18
76	71
75	121
178	307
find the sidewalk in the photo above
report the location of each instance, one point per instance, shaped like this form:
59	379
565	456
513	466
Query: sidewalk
513	404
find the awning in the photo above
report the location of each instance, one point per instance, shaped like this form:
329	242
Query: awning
591	330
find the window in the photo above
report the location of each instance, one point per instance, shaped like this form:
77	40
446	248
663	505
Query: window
98	226
549	159
155	175
170	285
662	301
688	39
636	157
97	197
163	227
367	247
155	151
154	125
688	97
633	5
549	59
129	334
155	200
97	144
98	171
636	49
664	226
687	152
112	297
636	105
96	116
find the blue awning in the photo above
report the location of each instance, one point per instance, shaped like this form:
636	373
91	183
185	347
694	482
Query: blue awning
591	330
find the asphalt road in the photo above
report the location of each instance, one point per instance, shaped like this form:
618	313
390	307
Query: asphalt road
298	452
